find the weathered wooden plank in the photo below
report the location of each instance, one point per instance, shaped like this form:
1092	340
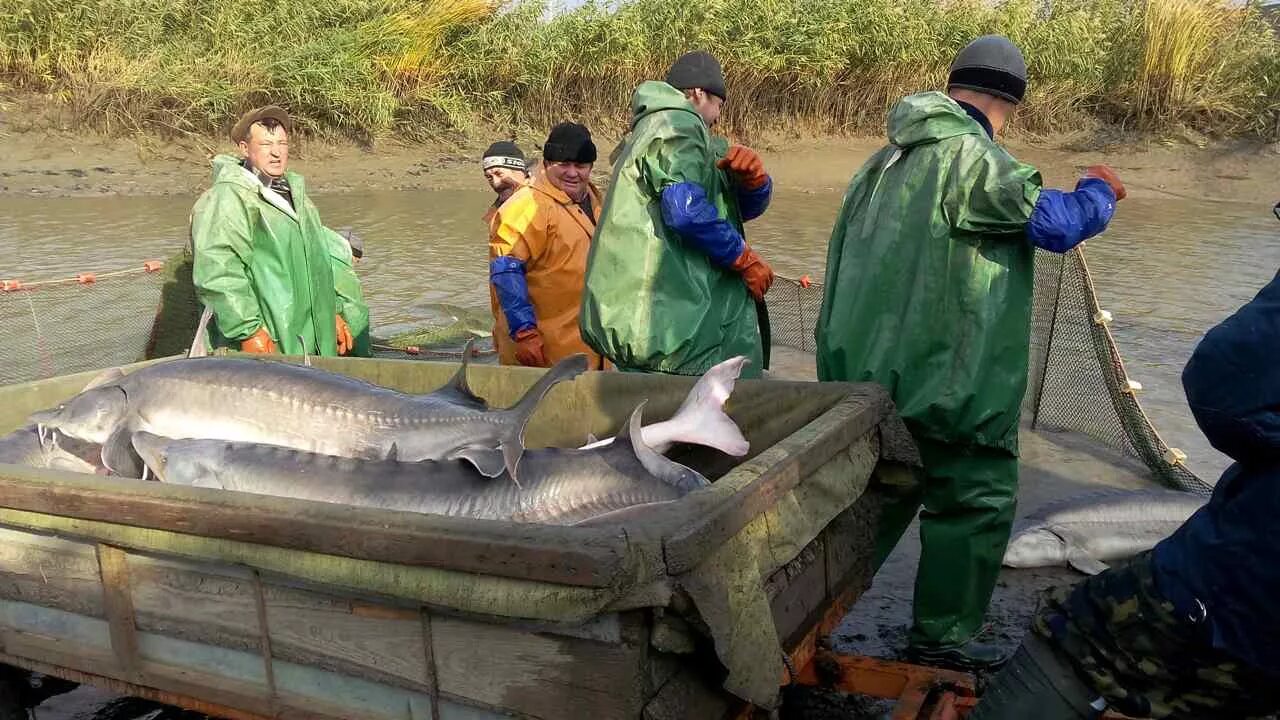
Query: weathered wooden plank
587	557
118	604
322	631
200	602
687	695
50	571
538	675
712	521
801	591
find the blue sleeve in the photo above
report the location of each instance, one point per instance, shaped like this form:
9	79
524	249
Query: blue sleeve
687	211
1063	220
507	275
753	203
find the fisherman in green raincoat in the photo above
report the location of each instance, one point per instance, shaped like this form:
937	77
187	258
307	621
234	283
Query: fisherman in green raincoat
929	293
672	286
264	264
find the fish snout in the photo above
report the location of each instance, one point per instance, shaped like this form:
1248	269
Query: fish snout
153	451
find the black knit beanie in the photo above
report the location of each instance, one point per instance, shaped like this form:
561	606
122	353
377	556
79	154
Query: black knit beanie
506	154
992	65
569	142
697	69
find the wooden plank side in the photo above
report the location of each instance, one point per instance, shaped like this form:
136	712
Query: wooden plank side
118	604
199	602
538	675
579	556
781	468
50	571
323	632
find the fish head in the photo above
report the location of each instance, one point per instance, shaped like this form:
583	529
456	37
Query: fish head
92	415
154	451
64	452
1035	547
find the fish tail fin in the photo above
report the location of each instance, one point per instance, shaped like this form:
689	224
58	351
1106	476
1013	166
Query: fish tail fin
512	441
661	467
701	419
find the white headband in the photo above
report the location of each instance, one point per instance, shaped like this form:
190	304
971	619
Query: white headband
501	161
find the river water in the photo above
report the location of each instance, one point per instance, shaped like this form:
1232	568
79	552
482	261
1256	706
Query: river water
1168	269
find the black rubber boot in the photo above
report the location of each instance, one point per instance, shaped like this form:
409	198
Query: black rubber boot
973	656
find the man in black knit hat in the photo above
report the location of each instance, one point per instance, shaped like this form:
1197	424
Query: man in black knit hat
672	285
929	293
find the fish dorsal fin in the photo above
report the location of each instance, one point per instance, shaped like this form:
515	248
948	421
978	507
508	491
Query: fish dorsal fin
457	390
306	357
592	439
659	466
393	453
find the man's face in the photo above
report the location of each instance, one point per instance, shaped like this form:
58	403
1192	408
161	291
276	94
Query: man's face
707	105
267	149
570	177
502	178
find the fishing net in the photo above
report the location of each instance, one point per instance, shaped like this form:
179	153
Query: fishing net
1077	381
80	323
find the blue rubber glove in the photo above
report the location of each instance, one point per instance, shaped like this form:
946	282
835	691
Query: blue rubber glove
507	275
687	210
1062	220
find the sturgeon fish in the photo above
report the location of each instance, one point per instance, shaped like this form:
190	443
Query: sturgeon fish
558	487
1087	530
305	408
27	446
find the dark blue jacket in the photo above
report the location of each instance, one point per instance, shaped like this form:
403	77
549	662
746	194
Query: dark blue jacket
1227	556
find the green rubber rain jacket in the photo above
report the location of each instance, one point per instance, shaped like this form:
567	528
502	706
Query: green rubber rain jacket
260	263
351	305
651	302
930	276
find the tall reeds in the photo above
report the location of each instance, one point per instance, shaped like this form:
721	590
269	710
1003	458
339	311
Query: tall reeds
425	67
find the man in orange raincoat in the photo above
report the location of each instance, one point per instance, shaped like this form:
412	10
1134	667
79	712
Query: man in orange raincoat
538	247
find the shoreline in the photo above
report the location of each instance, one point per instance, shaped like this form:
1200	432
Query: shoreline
64	164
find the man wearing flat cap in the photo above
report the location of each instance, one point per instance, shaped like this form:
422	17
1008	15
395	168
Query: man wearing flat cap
538	248
672	286
928	292
275	278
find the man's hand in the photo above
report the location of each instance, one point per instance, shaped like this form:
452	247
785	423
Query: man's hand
746	166
755	272
529	349
259	342
344	335
1109	176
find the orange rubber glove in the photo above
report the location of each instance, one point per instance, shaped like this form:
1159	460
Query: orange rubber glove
755	272
746	166
344	335
259	342
1109	176
529	349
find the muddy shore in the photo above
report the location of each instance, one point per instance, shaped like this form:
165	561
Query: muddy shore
52	163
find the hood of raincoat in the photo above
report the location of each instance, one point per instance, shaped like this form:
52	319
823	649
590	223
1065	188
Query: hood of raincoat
656	96
1232	385
929	118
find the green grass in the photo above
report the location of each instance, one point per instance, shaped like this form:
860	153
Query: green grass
367	68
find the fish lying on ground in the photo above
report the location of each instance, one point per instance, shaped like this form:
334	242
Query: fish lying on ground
1087	530
701	420
560	487
276	403
53	450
